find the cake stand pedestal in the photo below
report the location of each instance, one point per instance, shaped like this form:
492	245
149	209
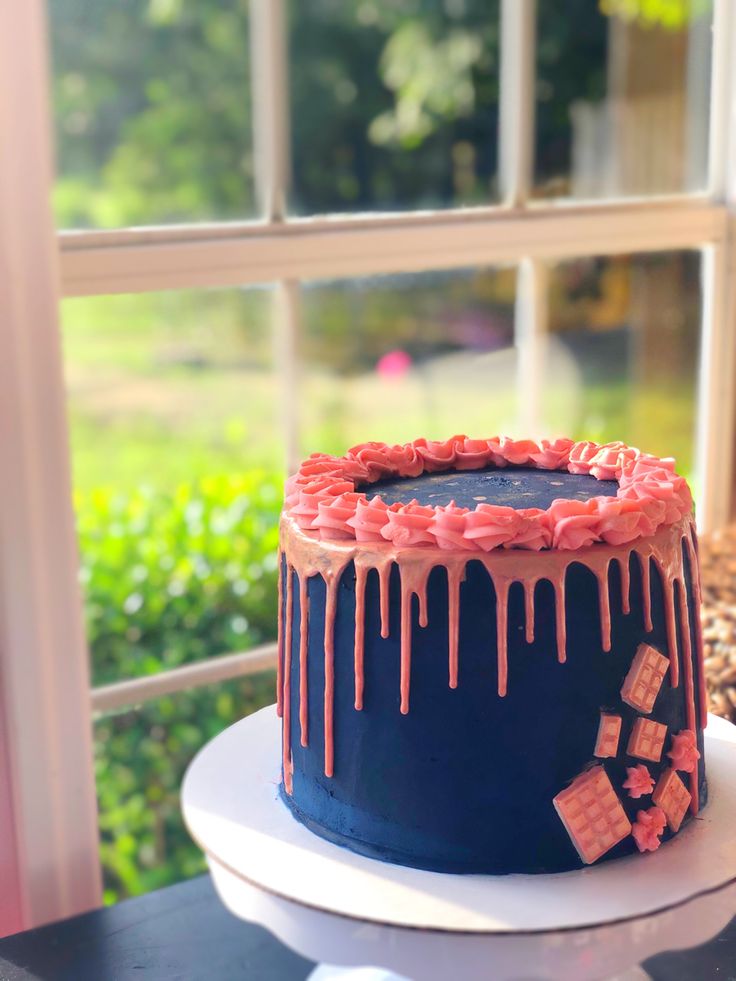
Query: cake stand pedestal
333	906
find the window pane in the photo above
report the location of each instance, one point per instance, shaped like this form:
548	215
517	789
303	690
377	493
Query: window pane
178	468
394	103
622	354
622	97
140	759
152	109
397	357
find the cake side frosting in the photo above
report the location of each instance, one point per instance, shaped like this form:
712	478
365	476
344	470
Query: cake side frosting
335	534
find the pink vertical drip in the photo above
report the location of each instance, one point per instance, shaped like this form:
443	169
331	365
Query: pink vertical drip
699	655
454	575
502	633
361	573
623	564
529	587
646	589
687	667
414	571
406	595
286	740
668	591
604	605
333	582
560	625
303	650
384	577
280	643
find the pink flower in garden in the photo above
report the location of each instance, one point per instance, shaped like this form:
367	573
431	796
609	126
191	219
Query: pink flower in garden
684	751
639	781
394	364
647	829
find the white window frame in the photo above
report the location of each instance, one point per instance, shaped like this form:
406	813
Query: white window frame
50	750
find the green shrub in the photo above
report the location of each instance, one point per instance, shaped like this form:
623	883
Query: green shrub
171	578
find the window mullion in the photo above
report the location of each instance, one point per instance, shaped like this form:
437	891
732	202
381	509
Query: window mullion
530	332
516	110
286	318
270	86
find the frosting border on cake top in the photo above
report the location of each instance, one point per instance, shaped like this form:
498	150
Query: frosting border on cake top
324	500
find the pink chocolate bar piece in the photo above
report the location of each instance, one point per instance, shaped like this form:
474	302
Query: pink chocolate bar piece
673	797
609	730
592	814
642	683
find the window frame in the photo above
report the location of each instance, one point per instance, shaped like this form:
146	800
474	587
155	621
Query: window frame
283	250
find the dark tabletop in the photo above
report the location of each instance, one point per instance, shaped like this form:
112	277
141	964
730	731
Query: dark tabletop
184	933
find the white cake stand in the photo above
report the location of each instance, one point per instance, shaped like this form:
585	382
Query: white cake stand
334	906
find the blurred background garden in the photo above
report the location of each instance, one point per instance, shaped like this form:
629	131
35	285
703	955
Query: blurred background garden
175	398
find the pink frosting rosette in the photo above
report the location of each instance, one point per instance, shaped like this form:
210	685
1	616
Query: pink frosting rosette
518	451
552	454
495	449
438	454
333	515
621	521
581	456
448	527
310	471
405	460
324	495
534	532
369	518
575	523
492	525
684	751
472	455
326	489
648	828
409	525
374	458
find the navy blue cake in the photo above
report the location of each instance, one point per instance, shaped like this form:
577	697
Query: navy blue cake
490	658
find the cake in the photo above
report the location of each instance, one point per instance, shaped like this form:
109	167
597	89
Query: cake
490	657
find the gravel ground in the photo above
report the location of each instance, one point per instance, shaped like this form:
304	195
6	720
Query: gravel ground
718	570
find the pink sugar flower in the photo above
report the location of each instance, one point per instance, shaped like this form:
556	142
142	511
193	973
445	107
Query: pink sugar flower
684	751
648	828
639	781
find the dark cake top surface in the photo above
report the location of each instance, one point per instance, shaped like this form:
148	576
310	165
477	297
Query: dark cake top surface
520	487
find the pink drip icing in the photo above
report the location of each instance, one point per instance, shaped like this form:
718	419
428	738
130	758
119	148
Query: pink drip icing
330	611
303	648
690	706
604	605
529	588
560	625
502	633
361	573
384	576
455	575
280	642
286	739
699	659
668	587
414	577
646	589
308	556
623	564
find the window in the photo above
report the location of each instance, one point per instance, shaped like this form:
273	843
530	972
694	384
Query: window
269	213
